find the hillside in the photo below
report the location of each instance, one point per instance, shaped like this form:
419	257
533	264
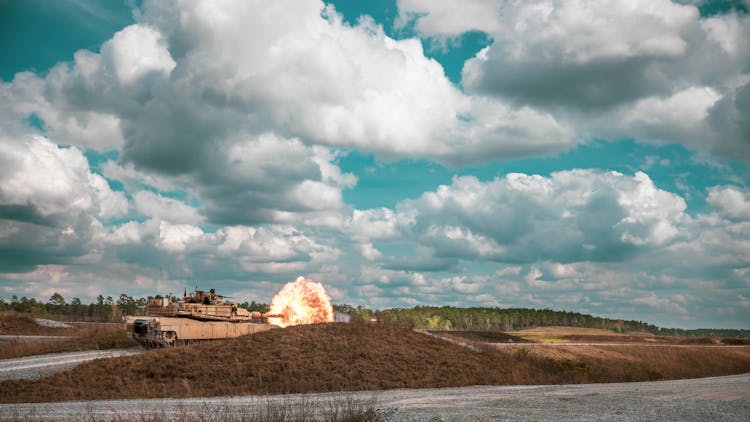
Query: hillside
80	336
336	357
21	324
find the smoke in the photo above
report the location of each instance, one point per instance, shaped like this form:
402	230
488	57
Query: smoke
302	301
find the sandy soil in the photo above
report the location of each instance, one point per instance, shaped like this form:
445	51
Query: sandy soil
719	398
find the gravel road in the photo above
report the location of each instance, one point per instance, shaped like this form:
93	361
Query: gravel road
34	367
719	398
15	338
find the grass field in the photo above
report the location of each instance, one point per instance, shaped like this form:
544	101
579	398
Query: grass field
563	334
348	357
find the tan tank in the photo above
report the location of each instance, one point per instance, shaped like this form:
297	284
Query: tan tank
200	316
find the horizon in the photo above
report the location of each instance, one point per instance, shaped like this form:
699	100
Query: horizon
400	152
358	307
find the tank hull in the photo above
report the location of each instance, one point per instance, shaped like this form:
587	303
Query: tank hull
155	331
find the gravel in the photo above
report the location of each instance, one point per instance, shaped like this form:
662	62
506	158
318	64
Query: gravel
718	398
53	324
35	367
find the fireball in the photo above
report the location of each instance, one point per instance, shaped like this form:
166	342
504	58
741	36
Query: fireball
302	301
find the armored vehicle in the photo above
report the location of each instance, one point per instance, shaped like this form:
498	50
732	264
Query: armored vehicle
199	316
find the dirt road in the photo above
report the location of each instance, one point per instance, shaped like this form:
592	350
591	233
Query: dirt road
720	398
33	367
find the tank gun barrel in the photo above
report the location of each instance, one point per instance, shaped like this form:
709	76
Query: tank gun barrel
258	315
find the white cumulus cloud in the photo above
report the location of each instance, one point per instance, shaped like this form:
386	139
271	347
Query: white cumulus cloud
730	201
651	69
156	206
52	180
569	216
136	51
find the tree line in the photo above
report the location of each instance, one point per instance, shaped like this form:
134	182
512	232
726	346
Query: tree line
512	319
103	309
422	317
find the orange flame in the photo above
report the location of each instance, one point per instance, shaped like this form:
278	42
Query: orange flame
302	301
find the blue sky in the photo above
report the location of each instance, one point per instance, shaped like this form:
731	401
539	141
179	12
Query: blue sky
403	153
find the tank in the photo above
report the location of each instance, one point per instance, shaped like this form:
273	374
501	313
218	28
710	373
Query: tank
199	316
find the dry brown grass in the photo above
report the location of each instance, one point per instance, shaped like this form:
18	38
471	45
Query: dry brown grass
480	336
12	323
592	335
347	357
644	363
85	336
554	331
342	407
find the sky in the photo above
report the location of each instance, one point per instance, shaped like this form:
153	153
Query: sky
588	156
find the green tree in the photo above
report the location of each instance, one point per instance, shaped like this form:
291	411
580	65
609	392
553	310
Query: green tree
127	305
56	304
77	309
255	306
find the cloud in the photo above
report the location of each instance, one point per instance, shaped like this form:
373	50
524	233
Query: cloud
267	179
655	70
63	121
378	223
730	202
51	204
180	84
679	116
135	52
586	55
440	18
227	123
176	237
229	252
156	206
569	216
52	181
624	245
728	118
241	109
